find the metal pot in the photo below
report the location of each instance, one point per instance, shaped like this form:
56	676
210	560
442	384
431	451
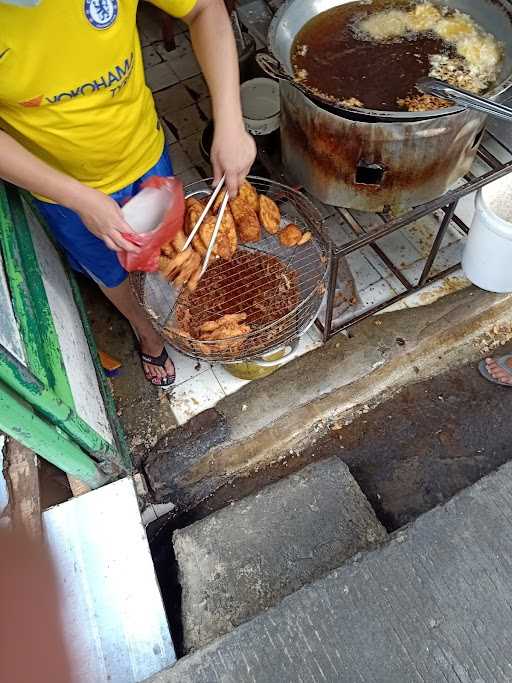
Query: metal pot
371	166
371	160
494	16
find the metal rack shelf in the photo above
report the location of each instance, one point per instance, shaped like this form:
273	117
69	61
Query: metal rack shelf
494	160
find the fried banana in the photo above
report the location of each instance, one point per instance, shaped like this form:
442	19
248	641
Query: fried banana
218	201
305	238
168	250
269	214
175	264
239	207
194	280
192	216
179	240
198	245
228	319
189	267
226	338
194	203
246	221
222	246
226	331
290	236
194	211
227	228
248	228
249	195
163	263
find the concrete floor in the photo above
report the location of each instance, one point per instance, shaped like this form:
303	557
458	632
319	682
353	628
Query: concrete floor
273	419
410	453
431	605
432	440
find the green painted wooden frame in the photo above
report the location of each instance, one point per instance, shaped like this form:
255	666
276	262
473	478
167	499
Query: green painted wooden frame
44	384
18	419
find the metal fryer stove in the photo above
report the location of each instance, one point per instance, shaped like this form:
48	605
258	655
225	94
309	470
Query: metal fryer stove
376	160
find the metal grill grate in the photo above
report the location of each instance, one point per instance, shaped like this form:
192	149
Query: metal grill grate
277	289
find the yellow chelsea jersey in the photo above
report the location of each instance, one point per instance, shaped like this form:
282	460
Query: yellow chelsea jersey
72	88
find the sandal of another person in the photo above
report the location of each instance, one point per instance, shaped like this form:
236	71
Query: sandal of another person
504	368
159	362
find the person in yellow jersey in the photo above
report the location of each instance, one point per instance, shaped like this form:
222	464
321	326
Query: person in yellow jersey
79	129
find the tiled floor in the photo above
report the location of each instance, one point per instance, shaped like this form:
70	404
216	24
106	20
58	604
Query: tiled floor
408	249
183	103
201	386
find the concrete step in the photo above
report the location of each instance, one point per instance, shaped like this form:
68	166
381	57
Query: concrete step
264	421
432	605
245	558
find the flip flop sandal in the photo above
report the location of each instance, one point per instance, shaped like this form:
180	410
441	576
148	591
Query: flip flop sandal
158	361
502	362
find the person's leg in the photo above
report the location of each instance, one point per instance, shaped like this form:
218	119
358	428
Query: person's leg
122	296
150	341
89	255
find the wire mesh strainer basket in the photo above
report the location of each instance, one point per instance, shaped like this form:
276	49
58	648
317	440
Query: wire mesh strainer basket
277	289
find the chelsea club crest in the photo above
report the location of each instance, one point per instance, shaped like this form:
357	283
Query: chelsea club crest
101	13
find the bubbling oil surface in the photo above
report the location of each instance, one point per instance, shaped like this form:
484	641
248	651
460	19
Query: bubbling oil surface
373	54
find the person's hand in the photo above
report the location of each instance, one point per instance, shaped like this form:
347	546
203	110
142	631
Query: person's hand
103	217
233	153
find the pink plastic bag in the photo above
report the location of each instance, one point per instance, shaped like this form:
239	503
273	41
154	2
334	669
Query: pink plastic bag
156	215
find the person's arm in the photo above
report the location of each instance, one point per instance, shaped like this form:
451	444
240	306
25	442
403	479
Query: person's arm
98	211
233	151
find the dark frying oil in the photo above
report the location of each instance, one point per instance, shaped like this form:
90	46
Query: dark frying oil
341	64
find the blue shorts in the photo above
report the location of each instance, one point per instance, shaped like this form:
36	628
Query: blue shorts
86	252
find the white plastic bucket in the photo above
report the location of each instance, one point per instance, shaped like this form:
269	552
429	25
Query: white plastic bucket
487	259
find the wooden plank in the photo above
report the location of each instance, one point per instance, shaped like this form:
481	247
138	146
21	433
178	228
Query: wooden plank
21	475
4	491
28	296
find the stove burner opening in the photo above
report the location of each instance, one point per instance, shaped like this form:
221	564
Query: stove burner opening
369	174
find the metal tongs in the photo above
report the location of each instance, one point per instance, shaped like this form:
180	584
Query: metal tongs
218	222
433	86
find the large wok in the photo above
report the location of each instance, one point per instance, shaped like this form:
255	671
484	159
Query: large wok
494	16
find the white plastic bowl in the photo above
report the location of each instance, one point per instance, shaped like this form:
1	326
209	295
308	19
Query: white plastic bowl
260	105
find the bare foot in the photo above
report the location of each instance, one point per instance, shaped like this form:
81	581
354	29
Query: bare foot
497	372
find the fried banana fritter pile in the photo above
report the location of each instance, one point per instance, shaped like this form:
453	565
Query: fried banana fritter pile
246	291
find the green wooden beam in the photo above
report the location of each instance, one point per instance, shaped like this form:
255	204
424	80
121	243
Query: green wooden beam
45	384
29	298
20	380
18	420
122	458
